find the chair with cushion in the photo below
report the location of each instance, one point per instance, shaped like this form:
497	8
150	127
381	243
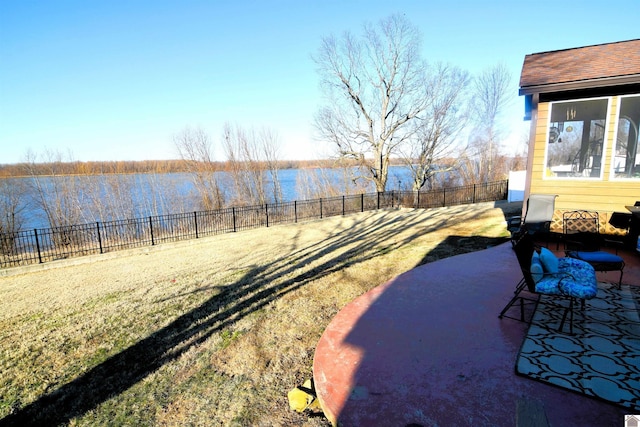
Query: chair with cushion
583	241
545	274
537	217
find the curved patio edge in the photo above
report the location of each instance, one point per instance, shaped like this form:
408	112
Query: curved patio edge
427	348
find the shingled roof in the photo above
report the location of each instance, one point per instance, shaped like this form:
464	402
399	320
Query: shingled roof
582	67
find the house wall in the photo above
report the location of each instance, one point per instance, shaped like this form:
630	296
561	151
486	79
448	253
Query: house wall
603	195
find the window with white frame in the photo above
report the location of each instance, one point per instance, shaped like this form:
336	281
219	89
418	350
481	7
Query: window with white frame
626	159
576	136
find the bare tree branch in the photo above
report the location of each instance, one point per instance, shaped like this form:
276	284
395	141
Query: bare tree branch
252	164
490	99
433	140
374	85
195	148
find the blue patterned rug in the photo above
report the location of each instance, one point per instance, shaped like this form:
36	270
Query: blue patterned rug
601	359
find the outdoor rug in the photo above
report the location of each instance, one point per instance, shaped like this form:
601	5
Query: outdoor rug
601	359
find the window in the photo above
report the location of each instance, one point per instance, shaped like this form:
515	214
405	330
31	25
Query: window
576	138
626	160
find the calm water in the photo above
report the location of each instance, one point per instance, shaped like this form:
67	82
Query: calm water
105	198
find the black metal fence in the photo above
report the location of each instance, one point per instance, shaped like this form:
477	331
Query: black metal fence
48	244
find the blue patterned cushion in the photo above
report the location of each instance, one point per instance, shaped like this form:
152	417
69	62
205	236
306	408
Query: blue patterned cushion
549	261
584	284
536	267
549	285
575	278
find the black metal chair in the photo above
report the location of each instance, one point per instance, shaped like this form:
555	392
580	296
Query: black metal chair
574	280
583	241
523	247
537	218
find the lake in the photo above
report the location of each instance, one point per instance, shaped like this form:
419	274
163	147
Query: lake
108	197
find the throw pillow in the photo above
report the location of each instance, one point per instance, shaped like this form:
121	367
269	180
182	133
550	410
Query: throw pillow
537	272
549	260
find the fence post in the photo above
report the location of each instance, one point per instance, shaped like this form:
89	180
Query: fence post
342	205
35	232
195	221
99	238
378	200
418	199
151	230
444	197
320	207
361	202
295	210
266	212
474	194
233	211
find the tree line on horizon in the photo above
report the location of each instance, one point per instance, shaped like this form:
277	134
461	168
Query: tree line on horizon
70	167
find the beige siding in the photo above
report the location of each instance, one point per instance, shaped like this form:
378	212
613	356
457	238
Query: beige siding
602	195
610	137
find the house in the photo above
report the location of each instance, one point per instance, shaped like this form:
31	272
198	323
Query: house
584	108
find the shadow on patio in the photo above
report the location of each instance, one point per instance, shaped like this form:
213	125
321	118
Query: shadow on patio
428	348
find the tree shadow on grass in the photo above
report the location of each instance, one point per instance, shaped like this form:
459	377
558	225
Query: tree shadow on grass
257	288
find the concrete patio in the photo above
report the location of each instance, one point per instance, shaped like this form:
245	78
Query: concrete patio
428	348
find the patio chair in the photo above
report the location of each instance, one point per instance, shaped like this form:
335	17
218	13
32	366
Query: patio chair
583	241
537	218
569	279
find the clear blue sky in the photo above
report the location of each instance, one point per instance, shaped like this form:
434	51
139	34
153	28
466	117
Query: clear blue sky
116	80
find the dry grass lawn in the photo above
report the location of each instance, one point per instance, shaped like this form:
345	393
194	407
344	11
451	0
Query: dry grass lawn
209	332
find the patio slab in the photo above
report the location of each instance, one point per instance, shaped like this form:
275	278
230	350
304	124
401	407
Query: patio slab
427	348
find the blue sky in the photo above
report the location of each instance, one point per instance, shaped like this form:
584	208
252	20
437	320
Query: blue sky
116	80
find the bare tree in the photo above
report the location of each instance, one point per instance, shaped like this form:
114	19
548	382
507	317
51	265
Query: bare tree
375	88
490	99
113	196
252	164
434	139
269	141
195	148
58	196
332	180
13	204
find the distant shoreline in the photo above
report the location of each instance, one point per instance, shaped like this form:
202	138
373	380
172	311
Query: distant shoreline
117	167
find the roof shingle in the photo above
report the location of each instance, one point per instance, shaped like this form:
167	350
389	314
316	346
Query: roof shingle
581	64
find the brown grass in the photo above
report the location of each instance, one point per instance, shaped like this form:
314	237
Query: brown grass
208	332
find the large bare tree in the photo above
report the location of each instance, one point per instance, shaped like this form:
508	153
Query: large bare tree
433	140
490	98
375	87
